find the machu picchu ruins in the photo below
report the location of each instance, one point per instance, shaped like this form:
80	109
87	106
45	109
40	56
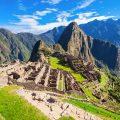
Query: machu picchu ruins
40	76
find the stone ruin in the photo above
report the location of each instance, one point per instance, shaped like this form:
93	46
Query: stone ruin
40	76
86	69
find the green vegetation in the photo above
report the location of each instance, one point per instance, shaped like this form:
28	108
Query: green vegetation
114	85
89	93
1	117
76	96
61	84
106	115
14	107
66	118
103	80
11	47
115	89
55	63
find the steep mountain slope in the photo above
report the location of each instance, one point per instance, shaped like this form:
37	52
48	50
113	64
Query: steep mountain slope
11	48
108	30
75	42
28	39
107	53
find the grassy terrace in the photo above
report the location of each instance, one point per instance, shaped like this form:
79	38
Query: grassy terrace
103	80
106	115
55	64
61	84
14	107
66	118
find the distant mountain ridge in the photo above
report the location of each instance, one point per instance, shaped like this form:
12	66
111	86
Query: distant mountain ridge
108	30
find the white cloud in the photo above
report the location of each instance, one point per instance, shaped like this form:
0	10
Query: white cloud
30	23
86	20
26	21
51	1
27	16
86	15
90	16
45	12
52	9
42	13
62	17
85	4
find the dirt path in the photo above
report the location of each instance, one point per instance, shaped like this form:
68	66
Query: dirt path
53	107
3	80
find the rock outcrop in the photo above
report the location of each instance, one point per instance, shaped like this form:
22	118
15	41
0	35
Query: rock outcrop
38	52
75	42
58	48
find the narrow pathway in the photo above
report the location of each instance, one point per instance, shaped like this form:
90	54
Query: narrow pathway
53	107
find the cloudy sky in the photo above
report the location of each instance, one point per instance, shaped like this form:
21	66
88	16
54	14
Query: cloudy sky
38	16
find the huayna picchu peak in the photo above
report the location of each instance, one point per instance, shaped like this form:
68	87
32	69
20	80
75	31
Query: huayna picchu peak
75	42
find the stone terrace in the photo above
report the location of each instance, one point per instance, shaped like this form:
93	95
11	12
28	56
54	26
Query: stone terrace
40	76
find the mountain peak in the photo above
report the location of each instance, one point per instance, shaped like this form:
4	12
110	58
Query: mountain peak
73	26
75	42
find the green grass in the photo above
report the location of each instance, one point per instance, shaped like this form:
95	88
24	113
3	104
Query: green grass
14	107
103	80
106	115
66	118
76	96
1	117
55	64
89	93
61	84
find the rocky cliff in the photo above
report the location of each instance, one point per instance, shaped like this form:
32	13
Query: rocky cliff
75	42
40	49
